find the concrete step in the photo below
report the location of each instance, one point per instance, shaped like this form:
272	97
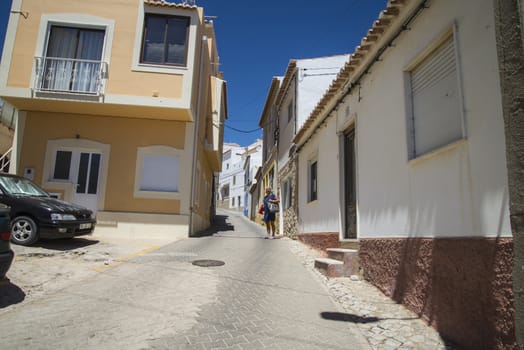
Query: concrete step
348	258
330	267
350	244
340	253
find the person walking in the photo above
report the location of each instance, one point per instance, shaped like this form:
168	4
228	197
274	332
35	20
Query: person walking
269	217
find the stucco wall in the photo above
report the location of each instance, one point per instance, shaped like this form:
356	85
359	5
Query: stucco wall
321	215
124	136
462	287
29	42
459	190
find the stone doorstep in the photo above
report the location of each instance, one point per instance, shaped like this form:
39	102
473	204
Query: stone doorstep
330	267
341	254
340	263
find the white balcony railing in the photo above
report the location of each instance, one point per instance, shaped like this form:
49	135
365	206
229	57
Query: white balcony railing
67	75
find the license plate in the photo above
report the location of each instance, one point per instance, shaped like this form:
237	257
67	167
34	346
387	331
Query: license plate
85	226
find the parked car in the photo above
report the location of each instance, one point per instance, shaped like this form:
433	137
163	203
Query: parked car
35	214
6	254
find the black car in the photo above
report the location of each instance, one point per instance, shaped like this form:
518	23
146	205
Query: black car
6	254
35	214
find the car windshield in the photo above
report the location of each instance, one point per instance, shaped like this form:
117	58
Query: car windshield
21	186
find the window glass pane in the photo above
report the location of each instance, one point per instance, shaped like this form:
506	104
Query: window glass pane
165	39
66	45
82	173
154	39
62	42
62	165
93	174
313	181
90	44
176	40
160	173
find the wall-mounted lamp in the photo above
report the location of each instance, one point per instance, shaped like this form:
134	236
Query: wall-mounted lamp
24	14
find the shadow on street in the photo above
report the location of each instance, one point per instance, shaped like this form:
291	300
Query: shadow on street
219	224
345	317
10	294
65	244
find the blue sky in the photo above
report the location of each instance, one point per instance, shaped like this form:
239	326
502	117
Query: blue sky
256	40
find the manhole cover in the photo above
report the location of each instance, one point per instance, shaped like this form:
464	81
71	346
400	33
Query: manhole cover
208	263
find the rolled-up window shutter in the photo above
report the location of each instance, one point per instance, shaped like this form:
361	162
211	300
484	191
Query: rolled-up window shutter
436	100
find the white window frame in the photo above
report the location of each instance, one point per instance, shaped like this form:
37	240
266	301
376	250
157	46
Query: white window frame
187	20
192	14
413	155
68	188
78	21
158	150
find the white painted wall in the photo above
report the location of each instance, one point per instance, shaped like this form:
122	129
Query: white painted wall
255	161
313	77
232	167
234	171
286	128
454	192
321	215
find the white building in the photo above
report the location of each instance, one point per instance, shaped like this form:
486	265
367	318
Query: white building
405	156
302	86
233	193
252	161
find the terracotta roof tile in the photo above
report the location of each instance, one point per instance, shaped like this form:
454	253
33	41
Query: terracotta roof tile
163	3
375	33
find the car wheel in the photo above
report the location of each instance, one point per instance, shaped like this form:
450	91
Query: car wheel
24	230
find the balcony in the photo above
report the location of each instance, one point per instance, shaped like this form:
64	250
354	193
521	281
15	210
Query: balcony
67	77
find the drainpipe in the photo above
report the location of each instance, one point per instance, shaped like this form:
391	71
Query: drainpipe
195	135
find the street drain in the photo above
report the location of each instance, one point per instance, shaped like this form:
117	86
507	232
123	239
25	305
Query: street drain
208	263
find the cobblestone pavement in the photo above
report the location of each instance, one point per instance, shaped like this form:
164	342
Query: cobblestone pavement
262	297
265	298
267	295
385	324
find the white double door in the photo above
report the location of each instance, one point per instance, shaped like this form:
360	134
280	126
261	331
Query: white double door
82	168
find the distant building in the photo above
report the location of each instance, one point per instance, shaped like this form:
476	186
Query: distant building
252	162
289	102
238	171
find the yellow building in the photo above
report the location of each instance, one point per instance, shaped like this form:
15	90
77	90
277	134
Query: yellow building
119	108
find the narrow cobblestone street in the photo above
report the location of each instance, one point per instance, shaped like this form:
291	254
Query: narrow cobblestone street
267	295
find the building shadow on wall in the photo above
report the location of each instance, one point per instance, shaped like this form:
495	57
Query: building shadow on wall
461	287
